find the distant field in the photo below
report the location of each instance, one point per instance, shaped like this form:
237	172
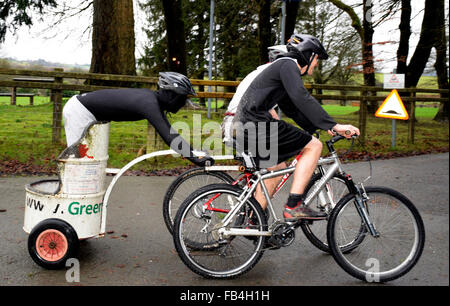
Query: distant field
25	135
24	101
337	110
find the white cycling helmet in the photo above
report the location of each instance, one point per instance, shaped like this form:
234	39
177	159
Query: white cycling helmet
275	51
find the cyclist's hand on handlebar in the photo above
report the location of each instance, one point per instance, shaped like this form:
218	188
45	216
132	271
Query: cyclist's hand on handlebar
346	130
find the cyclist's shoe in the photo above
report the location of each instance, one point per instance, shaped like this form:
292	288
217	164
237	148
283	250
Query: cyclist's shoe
302	212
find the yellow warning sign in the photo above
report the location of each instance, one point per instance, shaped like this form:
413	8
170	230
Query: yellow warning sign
392	107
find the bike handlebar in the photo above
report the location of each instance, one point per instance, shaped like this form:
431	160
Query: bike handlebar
335	139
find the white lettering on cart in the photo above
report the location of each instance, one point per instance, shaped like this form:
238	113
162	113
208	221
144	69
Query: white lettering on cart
36	204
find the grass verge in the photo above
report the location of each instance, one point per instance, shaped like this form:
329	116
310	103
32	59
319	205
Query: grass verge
25	138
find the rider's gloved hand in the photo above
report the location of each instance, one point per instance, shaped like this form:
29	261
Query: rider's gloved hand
202	160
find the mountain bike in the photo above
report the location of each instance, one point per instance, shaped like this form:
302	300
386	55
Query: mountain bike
193	179
373	233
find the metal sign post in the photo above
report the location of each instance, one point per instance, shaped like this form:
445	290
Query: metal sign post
394	132
393	106
211	35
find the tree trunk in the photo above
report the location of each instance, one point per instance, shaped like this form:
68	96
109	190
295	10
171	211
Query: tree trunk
441	62
291	18
264	35
428	34
367	53
176	42
403	47
405	33
113	42
199	70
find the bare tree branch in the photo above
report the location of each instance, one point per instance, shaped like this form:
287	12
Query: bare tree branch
356	22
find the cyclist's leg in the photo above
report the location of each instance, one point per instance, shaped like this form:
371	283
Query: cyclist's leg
271	184
306	165
295	209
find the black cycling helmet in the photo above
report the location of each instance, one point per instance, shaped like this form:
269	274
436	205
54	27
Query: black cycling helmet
306	46
275	51
176	82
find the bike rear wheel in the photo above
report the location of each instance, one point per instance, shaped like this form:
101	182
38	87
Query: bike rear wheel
184	185
397	248
199	224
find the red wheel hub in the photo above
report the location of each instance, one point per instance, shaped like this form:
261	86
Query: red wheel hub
51	245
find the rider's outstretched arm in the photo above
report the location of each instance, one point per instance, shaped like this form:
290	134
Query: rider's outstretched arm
174	140
302	99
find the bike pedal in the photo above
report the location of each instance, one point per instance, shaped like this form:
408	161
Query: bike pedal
271	247
270	244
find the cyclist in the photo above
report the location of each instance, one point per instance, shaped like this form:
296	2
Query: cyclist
132	104
227	129
275	53
281	83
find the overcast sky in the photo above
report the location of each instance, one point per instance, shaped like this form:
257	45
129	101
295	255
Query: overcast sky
69	43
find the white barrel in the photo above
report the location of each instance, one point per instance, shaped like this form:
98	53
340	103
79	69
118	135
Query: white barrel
85	173
43	201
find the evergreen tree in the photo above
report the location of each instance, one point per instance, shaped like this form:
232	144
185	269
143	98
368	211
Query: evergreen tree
113	39
15	13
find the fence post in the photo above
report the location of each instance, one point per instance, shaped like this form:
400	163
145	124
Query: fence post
362	116
154	141
412	118
13	95
56	96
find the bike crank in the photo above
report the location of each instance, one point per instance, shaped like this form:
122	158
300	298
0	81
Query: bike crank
283	235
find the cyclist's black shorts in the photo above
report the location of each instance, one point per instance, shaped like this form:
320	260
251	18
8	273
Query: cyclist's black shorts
271	143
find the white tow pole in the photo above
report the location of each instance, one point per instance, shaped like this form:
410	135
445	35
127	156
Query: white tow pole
135	161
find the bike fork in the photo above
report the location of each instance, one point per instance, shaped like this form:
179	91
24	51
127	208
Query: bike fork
360	201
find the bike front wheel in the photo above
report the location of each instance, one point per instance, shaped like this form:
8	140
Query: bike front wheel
388	255
198	223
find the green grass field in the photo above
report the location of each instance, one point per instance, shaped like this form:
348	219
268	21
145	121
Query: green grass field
25	135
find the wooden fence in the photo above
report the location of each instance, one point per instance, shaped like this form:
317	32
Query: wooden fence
61	83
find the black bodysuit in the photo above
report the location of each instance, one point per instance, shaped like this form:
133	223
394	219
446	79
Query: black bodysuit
134	104
281	84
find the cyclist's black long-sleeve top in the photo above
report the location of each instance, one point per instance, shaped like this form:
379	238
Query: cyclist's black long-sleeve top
281	84
134	104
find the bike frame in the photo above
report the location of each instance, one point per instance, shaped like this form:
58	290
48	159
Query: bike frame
323	193
260	176
248	177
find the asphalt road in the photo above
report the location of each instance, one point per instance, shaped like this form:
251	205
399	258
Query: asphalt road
140	251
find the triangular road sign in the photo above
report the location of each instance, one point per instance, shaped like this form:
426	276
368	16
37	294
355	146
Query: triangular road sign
392	107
